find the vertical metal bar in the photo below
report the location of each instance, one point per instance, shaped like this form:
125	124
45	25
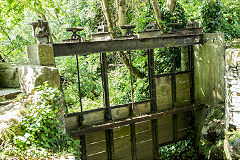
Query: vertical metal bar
173	83
191	68
106	104
131	78
152	83
109	144
192	96
132	126
82	138
83	147
79	84
152	88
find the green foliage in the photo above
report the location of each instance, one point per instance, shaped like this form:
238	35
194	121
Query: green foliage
221	17
178	15
39	132
232	135
213	131
183	150
212	15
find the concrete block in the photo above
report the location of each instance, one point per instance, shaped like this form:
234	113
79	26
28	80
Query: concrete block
40	54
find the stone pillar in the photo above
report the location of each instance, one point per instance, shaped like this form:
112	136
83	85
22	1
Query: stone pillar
209	70
41	68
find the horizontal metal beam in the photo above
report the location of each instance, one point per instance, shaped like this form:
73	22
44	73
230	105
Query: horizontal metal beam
85	48
133	120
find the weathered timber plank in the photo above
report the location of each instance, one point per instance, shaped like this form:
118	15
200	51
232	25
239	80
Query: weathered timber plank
182	125
143	136
93	137
97	156
182	133
122	147
93	118
143	126
121	131
133	120
85	48
71	122
171	73
96	148
165	131
164	92
182	89
125	158
142	108
120	113
95	143
182	120
144	150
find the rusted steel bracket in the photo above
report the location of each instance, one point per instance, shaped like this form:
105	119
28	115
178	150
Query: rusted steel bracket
102	33
75	38
43	35
152	27
129	29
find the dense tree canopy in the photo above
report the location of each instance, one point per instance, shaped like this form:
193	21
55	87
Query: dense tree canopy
15	31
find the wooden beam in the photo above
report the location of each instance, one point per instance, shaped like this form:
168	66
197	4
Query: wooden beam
133	120
85	48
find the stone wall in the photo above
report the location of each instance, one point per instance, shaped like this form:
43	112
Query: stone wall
232	78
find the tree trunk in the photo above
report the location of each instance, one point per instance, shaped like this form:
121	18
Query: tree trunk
122	14
123	21
157	13
171	4
127	63
107	14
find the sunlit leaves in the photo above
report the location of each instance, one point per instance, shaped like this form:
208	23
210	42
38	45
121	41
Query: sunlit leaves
10	1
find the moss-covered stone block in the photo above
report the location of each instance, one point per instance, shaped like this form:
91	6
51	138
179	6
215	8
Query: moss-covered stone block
9	75
31	76
40	54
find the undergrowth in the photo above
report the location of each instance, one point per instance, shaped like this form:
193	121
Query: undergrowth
38	135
